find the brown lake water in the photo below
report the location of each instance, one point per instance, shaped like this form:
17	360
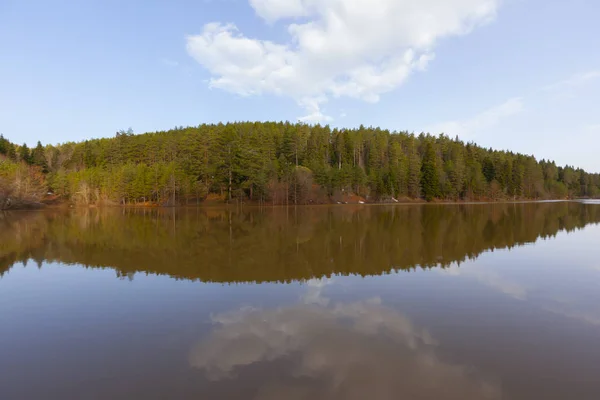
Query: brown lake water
482	301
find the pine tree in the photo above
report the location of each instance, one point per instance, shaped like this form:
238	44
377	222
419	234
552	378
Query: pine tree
12	152
38	157
429	175
3	145
25	154
489	171
516	188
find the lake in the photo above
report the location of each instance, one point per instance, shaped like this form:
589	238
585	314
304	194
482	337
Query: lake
480	301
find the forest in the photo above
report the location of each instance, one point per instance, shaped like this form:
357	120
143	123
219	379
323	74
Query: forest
278	163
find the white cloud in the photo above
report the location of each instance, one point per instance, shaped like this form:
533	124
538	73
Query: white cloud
272	10
481	122
587	317
347	351
314	294
574	81
354	48
313	106
495	281
490	279
570	88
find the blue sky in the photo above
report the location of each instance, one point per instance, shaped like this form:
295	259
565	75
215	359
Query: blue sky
513	74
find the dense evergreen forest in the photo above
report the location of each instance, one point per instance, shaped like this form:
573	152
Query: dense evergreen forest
279	163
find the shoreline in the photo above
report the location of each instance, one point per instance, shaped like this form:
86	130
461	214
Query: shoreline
66	205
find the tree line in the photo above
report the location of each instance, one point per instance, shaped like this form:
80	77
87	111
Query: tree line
285	163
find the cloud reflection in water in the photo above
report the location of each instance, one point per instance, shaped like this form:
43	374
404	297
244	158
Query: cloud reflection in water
350	351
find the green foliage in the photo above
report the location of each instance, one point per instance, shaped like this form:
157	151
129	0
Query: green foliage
11	153
38	157
489	170
260	162
24	154
429	175
4	144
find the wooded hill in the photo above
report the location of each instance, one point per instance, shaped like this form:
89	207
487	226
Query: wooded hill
281	163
